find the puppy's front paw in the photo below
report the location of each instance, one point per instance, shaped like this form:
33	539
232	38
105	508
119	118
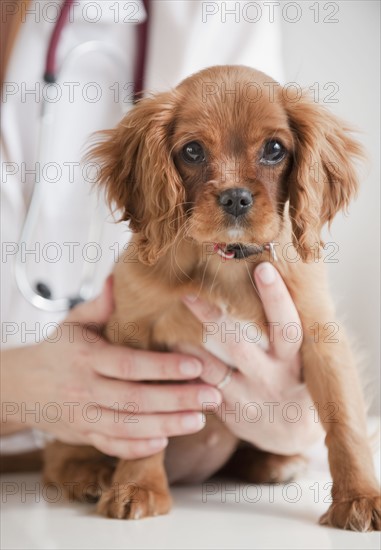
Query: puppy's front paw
131	501
358	514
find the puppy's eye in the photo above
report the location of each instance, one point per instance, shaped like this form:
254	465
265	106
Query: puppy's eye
193	153
273	152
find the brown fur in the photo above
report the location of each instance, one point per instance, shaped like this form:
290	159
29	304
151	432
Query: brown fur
173	210
30	461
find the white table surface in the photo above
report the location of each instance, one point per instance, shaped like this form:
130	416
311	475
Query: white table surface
236	516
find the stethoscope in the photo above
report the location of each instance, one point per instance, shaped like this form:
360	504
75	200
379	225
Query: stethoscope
39	294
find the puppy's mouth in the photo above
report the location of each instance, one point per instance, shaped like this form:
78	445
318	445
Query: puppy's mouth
237	251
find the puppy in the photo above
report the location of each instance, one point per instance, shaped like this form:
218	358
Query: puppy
208	180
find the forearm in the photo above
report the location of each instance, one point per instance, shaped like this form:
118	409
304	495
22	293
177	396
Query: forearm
17	367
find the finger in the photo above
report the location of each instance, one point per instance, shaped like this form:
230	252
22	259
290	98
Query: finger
149	398
214	371
261	372
127	449
128	425
95	311
220	338
285	325
131	364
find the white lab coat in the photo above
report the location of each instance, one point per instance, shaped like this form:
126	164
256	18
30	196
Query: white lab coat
184	38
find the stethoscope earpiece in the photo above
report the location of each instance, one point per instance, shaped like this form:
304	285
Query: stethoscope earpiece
43	290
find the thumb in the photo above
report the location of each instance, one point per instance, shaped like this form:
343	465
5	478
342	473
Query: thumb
97	310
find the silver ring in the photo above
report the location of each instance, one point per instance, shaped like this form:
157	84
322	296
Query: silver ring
227	378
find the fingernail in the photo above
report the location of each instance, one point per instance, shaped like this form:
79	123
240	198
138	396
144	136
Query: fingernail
190	367
209	396
191	298
158	443
193	421
266	273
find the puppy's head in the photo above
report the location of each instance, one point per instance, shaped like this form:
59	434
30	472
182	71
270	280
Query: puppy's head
217	159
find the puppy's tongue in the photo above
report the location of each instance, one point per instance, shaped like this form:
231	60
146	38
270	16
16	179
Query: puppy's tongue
222	250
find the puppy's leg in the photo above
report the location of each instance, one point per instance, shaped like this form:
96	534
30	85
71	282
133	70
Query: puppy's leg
139	489
256	466
332	380
82	472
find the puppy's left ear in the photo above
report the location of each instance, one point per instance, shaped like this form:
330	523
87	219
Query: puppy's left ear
323	179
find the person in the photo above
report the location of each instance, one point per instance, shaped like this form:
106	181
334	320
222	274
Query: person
58	376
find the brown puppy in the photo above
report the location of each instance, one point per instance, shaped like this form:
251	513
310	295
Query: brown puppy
207	178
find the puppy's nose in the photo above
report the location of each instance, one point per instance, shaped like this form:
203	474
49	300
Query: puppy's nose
236	201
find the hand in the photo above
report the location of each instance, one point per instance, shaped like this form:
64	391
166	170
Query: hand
265	402
82	380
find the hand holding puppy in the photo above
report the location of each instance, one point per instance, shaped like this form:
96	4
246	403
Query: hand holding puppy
100	389
265	401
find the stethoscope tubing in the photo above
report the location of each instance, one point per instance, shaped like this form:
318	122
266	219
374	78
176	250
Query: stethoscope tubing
32	217
51	75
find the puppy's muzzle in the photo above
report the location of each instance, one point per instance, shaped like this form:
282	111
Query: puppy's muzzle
236	201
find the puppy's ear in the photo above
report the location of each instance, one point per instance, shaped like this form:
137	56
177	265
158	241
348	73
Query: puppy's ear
136	168
323	178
